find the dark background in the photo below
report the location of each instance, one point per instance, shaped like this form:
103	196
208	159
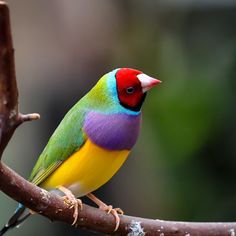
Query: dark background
183	166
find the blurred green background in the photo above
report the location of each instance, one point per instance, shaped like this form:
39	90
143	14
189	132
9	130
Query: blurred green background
184	164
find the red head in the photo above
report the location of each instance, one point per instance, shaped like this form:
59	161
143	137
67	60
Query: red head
132	86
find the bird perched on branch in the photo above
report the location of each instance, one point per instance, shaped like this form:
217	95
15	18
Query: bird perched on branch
92	142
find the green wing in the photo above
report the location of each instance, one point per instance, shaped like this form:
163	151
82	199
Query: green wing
67	138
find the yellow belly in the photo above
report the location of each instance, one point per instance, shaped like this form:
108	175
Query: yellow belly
86	170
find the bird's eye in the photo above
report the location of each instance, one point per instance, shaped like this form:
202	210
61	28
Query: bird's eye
130	90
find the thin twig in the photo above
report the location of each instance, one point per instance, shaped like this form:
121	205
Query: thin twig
28	117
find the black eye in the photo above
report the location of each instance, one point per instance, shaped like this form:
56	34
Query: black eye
130	90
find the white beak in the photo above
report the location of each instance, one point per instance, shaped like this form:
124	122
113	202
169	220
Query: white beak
147	82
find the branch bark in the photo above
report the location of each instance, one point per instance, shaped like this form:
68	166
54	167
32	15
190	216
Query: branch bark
10	118
93	219
51	205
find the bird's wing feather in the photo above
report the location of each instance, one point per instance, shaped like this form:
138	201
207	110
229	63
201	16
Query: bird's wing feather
42	174
67	138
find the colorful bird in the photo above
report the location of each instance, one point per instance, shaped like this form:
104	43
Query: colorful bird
92	141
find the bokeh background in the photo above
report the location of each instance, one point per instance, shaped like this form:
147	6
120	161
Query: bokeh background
184	164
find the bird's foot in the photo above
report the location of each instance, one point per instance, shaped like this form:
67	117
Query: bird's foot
107	208
114	211
71	201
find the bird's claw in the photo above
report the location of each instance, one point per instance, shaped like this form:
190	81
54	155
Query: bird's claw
72	202
114	211
119	211
107	208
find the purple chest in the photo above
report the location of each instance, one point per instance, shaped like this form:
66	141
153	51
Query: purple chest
112	131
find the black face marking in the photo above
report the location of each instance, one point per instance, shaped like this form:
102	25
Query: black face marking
138	106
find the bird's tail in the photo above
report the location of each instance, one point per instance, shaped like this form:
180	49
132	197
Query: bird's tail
20	214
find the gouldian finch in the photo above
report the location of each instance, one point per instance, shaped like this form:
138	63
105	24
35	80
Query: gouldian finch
92	141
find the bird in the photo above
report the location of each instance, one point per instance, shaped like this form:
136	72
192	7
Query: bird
91	142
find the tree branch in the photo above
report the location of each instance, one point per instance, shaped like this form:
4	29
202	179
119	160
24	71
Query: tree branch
9	116
93	219
51	205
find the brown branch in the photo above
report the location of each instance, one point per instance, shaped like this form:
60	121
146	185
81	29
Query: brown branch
51	205
8	89
9	116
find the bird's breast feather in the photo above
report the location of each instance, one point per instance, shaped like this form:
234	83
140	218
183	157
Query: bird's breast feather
112	131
